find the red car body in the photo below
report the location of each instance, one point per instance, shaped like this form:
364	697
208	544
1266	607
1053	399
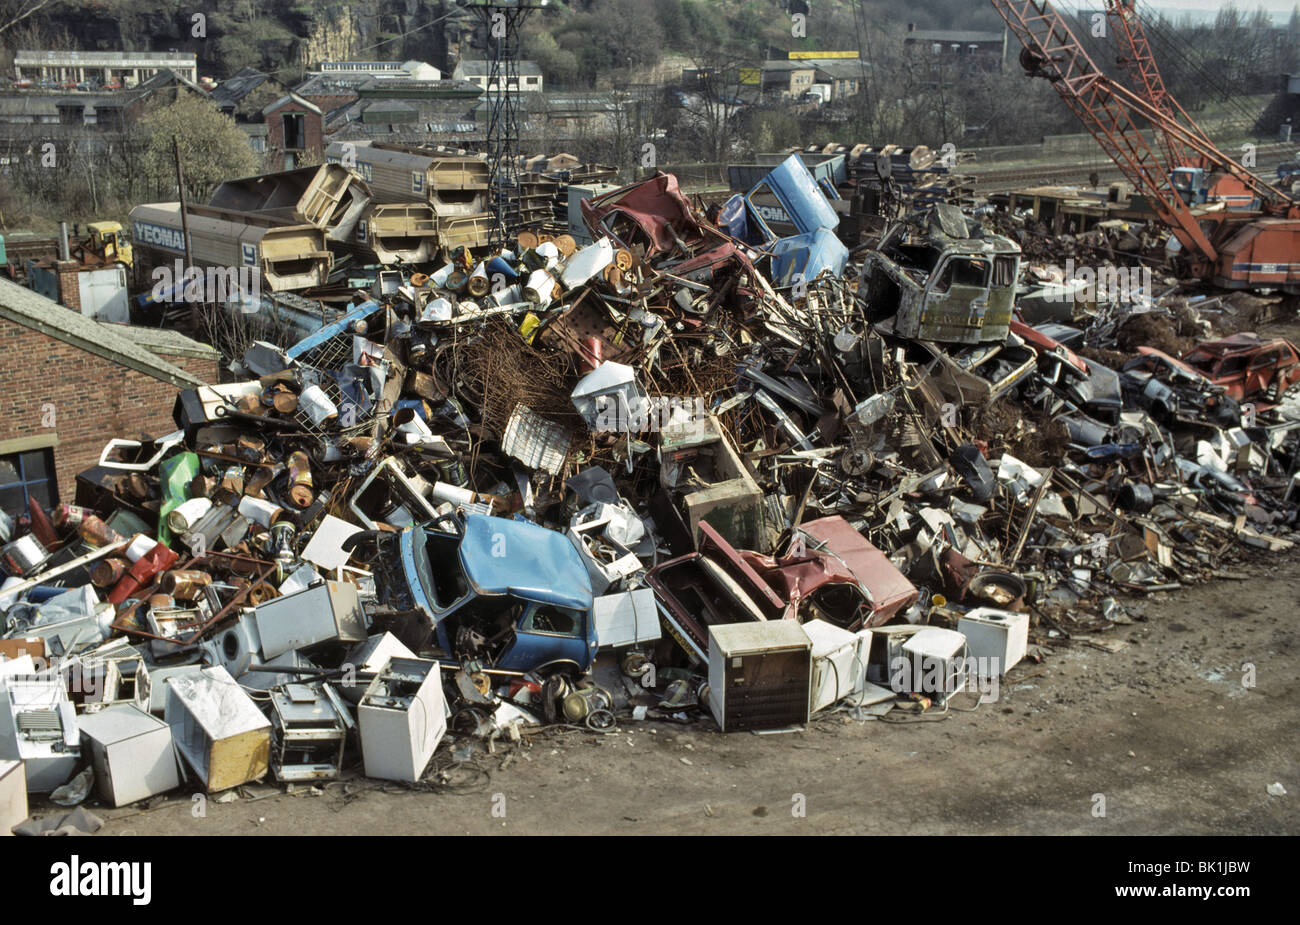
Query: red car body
1247	365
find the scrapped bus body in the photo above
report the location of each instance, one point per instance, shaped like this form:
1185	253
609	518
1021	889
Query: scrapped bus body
455	186
397	232
288	256
947	281
327	197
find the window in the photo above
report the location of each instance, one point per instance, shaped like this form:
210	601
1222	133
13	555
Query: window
295	131
27	475
556	621
1004	272
962	271
531	81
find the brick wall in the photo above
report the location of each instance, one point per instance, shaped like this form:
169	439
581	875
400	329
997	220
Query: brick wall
311	130
69	283
94	399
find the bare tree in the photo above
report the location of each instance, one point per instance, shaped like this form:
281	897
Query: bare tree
714	104
12	12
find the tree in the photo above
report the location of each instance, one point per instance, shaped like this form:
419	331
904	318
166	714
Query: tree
559	65
617	35
212	148
713	107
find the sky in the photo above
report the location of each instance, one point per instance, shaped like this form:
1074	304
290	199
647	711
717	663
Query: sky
1212	6
1199	9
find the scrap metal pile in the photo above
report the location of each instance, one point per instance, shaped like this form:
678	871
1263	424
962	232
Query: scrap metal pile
681	473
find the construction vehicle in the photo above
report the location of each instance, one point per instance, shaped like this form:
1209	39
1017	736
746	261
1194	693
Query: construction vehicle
1233	248
1189	172
109	242
105	244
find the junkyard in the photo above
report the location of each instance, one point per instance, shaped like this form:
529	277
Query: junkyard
438	488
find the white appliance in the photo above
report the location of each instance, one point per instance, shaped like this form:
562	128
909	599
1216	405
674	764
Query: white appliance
38	726
759	674
885	656
998	639
936	662
309	731
132	754
865	692
366	660
325	612
402	719
834	654
626	619
13	795
151	685
238	647
218	729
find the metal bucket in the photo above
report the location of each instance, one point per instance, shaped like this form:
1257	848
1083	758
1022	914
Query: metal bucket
24	555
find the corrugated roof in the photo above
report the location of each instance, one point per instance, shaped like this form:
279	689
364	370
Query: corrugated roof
233	89
119	344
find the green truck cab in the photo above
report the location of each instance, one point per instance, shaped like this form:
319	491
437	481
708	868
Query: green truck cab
942	277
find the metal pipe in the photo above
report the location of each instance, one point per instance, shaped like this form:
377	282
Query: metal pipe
65	253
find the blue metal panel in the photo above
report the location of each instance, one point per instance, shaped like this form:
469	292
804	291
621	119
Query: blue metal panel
732	219
795	188
809	255
502	556
364	310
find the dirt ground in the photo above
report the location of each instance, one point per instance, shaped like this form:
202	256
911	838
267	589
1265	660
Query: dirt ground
1164	729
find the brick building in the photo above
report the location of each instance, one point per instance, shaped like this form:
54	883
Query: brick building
968	50
293	133
71	384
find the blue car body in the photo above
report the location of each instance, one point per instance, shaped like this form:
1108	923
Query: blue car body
526	582
804	203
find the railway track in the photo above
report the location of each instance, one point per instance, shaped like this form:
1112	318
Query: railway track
1003	180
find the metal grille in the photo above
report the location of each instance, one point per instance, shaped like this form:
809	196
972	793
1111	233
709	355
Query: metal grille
40	725
332	354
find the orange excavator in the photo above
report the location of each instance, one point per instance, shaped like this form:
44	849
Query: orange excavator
1243	233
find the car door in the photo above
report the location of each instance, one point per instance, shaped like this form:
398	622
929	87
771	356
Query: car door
545	634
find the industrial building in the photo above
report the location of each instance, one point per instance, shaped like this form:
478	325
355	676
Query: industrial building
125	67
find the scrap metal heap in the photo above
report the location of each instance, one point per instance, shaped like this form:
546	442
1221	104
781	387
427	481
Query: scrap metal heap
679	473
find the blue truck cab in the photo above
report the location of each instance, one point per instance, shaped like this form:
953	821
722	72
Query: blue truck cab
509	593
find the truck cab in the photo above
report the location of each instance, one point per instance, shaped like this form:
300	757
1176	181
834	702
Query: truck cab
946	280
509	594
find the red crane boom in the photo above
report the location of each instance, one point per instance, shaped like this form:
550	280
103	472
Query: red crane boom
1144	74
1112	114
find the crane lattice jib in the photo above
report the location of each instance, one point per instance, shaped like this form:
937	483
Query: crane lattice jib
1144	74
